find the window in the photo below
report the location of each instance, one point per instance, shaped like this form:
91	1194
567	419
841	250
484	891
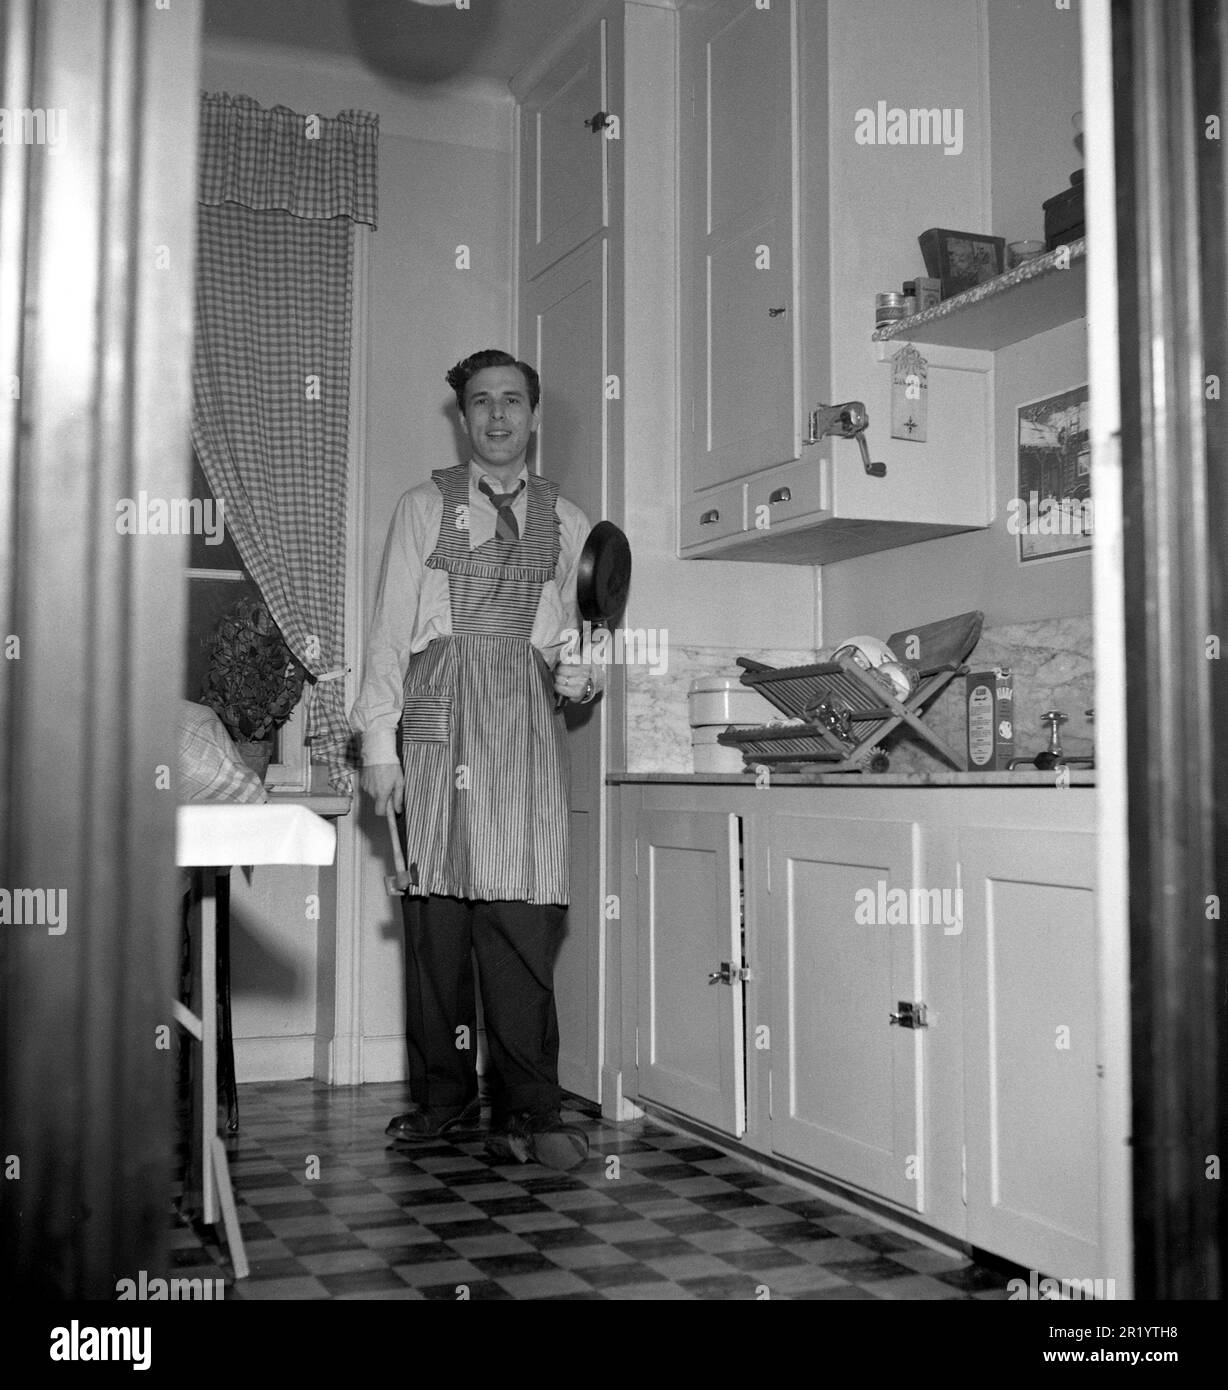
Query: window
216	579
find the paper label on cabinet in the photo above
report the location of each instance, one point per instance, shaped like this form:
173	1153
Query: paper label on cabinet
909	394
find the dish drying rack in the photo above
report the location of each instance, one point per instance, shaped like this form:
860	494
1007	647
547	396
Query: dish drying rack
846	711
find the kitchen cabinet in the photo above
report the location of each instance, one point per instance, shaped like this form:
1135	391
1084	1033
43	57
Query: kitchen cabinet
772	260
739	225
563	155
1031	1050
844	1081
969	912
691	1042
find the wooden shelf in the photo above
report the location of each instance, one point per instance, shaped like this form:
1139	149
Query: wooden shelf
1032	298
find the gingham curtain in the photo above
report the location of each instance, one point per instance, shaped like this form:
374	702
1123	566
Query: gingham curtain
279	196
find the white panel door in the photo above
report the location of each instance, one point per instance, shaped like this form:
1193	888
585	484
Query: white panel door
1031	1097
845	1082
691	1053
563	334
563	188
739	229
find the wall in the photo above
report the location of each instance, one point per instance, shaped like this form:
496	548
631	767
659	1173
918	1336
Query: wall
883	593
1034	85
445	180
1032	56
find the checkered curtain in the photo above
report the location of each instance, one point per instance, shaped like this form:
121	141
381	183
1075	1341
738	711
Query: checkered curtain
279	195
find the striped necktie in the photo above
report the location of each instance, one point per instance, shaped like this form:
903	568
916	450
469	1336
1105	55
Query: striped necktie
506	528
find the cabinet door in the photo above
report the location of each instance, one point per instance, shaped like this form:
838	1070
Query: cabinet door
563	333
1031	1099
845	1082
738	229
690	1043
563	160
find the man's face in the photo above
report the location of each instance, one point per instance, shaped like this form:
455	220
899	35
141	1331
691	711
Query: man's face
497	417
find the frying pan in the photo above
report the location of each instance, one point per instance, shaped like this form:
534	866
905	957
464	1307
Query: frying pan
603	577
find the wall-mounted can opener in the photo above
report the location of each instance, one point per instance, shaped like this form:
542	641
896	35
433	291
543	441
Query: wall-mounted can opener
397	883
849	421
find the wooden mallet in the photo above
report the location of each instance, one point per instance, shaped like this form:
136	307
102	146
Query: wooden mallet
397	883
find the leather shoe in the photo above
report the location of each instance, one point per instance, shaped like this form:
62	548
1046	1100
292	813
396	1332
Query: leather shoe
540	1137
424	1123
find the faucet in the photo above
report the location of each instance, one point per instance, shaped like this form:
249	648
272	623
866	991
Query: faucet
1053	755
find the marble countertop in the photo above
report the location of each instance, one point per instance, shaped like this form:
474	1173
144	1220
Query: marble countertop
1032	777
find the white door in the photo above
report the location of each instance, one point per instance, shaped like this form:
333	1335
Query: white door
1031	1099
690	1032
563	334
845	1081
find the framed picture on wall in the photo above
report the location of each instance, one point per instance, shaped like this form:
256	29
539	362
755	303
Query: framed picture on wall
961	260
1051	511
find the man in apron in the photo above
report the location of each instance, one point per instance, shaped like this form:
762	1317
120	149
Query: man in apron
477	592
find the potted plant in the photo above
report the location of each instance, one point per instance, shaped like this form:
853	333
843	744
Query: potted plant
254	680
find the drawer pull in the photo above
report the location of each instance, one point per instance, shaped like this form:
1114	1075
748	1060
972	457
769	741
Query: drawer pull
708	517
782	494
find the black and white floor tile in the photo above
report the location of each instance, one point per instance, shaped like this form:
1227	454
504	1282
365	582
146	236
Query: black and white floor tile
331	1209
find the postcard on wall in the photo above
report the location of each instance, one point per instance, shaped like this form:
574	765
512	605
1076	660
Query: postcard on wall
1051	511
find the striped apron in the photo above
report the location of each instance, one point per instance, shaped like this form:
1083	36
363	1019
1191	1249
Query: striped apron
482	746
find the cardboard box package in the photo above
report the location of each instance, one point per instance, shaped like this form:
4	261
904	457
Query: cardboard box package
991	719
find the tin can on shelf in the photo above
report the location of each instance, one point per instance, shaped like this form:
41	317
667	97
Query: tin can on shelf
889	307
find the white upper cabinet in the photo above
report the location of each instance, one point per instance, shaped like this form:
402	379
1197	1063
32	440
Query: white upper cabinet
789	227
739	227
565	128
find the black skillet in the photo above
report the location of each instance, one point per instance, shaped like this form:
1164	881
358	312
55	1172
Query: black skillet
603	577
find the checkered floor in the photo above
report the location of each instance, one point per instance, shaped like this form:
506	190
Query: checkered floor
652	1215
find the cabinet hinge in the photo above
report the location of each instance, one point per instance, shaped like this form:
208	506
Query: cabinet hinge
963	1174
637	1047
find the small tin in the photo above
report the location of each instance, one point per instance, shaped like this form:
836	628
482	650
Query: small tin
889	307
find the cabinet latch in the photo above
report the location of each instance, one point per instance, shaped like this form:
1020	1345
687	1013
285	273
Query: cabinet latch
598	121
911	1015
729	974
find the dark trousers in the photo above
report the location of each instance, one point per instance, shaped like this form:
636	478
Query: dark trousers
515	945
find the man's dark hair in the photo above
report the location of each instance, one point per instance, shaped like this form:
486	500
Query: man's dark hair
458	377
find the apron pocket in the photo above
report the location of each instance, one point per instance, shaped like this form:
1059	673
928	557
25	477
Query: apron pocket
426	718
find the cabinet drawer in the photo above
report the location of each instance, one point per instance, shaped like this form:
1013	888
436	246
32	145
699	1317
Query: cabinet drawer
796	490
713	516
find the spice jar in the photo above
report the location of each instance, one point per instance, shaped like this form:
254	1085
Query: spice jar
889	307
